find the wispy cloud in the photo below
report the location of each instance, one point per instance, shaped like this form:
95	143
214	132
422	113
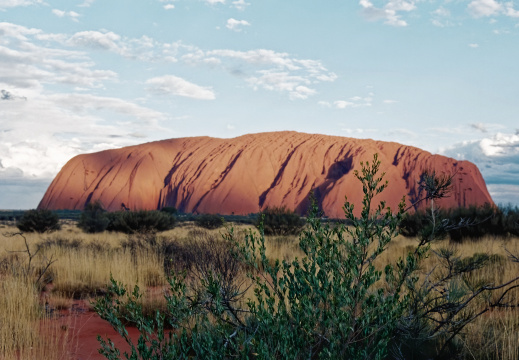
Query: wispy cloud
42	128
5	4
70	14
240	4
86	3
236	25
24	64
480	127
441	17
390	13
282	81
486	8
479	8
358	131
352	102
169	4
267	69
173	85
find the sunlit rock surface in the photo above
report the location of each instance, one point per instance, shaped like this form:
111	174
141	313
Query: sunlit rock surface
248	173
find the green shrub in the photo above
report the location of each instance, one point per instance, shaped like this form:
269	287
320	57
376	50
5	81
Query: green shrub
94	218
142	221
280	221
38	221
209	221
334	303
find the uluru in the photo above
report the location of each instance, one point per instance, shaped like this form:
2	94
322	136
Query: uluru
248	173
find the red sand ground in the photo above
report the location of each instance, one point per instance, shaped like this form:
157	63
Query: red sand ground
79	327
246	174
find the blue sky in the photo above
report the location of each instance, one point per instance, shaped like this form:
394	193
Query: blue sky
88	75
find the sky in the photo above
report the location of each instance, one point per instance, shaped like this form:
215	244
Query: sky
88	75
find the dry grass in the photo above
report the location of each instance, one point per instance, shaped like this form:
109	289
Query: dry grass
85	263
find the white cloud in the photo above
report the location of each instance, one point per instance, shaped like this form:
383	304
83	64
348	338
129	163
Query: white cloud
497	157
358	131
510	11
142	48
263	68
480	127
267	69
173	85
354	102
41	129
441	17
259	57
235	25
486	8
71	14
169	4
282	81
82	103
342	104
325	104
39	135
504	194
97	40
25	64
474	45
389	101
240	4
441	11
214	2
5	4
389	13
480	8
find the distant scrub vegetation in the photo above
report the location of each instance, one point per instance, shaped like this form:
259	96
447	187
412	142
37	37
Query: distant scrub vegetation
96	219
280	221
478	222
209	221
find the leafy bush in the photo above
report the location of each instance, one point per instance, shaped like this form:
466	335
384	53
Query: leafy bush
209	221
94	218
280	221
334	303
131	222
39	221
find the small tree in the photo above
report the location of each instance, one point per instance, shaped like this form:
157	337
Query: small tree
40	221
94	218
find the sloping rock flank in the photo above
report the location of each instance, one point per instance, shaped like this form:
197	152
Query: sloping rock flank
248	173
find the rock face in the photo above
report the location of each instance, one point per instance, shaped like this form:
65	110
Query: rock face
248	173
